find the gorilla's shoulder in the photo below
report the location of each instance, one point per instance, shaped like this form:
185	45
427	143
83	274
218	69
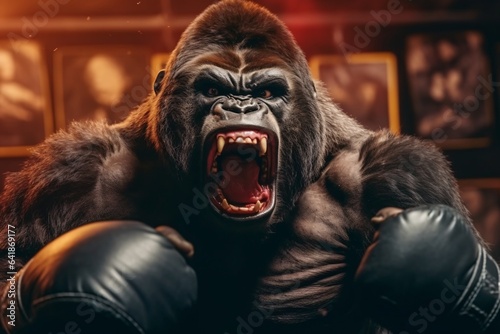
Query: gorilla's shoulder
403	171
94	138
81	156
73	177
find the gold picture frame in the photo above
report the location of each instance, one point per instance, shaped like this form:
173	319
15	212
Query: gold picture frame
25	104
99	83
364	85
448	75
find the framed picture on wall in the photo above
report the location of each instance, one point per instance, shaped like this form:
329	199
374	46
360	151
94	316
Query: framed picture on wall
482	199
364	85
99	83
25	109
449	78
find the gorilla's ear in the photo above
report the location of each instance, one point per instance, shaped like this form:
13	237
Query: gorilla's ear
158	80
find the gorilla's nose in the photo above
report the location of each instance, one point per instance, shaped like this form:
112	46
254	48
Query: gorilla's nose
241	106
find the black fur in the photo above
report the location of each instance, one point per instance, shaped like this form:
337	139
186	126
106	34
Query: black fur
145	167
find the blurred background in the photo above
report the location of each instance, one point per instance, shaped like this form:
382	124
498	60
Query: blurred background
426	68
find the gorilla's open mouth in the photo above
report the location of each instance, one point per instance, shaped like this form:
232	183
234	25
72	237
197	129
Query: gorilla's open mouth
243	164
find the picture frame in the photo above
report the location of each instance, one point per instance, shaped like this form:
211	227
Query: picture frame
110	82
482	199
448	75
25	104
364	85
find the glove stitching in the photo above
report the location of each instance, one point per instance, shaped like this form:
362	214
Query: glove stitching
496	308
479	310
475	317
479	284
69	296
493	314
468	287
491	284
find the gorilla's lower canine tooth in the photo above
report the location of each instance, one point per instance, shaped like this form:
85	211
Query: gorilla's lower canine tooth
257	206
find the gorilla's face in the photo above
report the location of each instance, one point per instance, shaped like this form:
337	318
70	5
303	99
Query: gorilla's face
238	111
241	137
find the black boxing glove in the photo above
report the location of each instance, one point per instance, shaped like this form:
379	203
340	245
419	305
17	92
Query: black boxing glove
107	277
426	272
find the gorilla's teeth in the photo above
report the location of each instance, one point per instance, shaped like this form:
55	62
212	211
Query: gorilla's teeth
254	141
240	140
225	204
220	144
263	146
248	140
257	206
231	140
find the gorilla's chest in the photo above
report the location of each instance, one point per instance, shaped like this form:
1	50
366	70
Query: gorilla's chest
302	280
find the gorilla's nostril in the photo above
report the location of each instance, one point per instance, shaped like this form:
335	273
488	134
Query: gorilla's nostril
219	110
249	108
229	108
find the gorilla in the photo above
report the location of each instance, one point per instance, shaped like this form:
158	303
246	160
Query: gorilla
271	194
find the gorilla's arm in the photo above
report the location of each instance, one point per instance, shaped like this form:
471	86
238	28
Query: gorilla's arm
404	172
73	178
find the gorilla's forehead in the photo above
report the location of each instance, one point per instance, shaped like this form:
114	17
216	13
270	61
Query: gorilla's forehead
242	69
243	61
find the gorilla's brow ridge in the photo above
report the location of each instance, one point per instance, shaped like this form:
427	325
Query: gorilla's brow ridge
231	80
257	60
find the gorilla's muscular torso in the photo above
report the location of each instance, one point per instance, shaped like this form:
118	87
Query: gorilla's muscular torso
305	269
286	266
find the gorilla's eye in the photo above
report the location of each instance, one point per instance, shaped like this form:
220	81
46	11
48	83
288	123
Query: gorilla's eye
270	90
265	94
212	92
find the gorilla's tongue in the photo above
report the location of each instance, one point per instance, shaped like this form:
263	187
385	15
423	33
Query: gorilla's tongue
242	184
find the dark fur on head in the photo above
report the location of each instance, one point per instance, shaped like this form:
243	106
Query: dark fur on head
238	25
